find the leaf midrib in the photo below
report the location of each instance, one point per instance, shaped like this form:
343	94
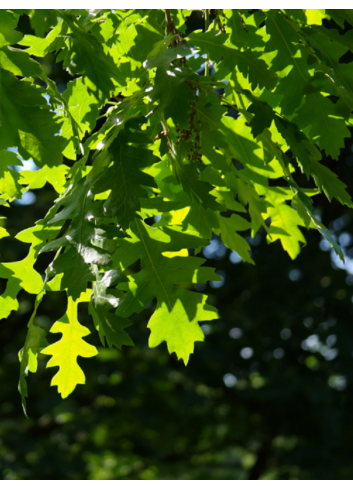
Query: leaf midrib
152	263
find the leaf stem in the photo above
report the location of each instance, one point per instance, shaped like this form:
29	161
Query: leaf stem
170	25
207	24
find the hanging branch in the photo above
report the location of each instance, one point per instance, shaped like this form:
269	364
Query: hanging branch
170	25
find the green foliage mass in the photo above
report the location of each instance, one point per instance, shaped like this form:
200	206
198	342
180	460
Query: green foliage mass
150	160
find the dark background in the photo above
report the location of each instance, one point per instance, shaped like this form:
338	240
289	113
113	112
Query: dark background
267	395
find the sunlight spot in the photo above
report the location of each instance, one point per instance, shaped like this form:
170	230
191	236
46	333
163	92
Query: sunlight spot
286	333
235	333
339	223
345	239
246	353
329	353
325	245
338	382
27	198
278	353
311	343
308	322
234	257
295	275
230	380
206	328
210	251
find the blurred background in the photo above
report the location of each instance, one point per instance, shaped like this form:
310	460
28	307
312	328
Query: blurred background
268	395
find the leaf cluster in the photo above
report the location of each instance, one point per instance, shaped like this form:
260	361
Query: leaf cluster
150	159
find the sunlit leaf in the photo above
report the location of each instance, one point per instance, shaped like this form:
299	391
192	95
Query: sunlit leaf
71	345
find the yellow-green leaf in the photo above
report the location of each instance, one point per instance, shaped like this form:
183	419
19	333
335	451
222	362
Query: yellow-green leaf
68	348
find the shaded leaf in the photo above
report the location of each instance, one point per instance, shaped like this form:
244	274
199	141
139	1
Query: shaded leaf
110	326
27	122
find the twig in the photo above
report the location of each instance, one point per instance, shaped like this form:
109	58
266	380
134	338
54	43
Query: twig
207	24
170	25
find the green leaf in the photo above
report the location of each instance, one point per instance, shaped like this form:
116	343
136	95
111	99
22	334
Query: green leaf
19	275
56	176
125	178
341	15
284	226
174	94
315	15
330	54
38	235
8	299
189	175
42	20
83	109
40	47
27	122
22	271
331	184
199	221
8	22
263	116
3	233
18	62
105	30
248	62
233	240
178	326
243	34
35	342
80	207
9	179
286	42
76	272
85	240
303	149
137	34
71	345
317	118
159	274
103	300
172	84
86	56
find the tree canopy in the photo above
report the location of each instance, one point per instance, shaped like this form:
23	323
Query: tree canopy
152	160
